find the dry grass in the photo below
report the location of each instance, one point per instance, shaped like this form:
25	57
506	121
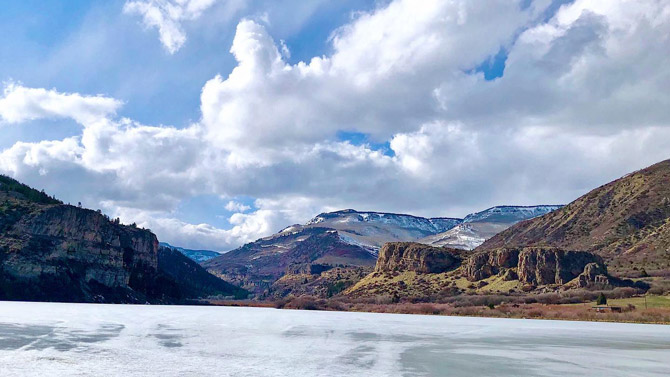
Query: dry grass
485	306
583	312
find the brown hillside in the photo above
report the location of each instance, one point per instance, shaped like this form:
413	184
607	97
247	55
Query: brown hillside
626	221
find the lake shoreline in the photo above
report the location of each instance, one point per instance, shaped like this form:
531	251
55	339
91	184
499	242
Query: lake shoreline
562	312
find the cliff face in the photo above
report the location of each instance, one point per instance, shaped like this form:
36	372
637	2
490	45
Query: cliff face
408	256
536	265
65	253
540	266
55	252
482	265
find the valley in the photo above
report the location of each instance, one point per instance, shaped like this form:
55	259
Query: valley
503	261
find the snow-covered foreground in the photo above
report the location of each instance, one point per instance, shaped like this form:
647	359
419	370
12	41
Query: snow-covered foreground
44	339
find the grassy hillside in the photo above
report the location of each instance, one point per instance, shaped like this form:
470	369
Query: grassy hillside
626	221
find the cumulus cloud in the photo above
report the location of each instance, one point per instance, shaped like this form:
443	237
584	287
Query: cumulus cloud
168	15
597	66
20	104
582	100
379	80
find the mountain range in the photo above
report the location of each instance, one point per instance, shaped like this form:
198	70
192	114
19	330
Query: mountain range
476	228
350	240
616	235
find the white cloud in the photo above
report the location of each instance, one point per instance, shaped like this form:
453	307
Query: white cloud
168	15
597	67
583	100
380	79
234	206
20	104
270	216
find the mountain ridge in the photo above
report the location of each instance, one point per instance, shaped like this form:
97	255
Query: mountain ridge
479	226
626	221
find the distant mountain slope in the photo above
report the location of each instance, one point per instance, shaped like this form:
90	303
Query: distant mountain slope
192	280
372	229
626	221
55	252
196	255
257	265
480	226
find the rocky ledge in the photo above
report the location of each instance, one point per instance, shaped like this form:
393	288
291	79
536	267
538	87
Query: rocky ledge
409	256
538	266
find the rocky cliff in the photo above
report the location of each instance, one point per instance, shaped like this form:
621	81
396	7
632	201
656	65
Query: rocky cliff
482	265
409	256
536	265
55	252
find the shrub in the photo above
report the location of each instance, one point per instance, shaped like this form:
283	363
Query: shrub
601	300
304	303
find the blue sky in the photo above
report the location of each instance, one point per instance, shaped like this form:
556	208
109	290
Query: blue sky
93	47
214	122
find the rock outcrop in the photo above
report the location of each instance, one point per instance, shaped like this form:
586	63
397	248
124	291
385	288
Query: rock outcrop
408	256
593	274
482	265
535	265
542	266
50	251
308	269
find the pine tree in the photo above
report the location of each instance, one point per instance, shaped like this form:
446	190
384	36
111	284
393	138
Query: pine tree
601	300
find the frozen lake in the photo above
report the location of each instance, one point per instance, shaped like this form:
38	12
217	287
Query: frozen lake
43	339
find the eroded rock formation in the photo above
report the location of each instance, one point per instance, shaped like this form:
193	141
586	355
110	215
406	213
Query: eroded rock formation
409	256
536	265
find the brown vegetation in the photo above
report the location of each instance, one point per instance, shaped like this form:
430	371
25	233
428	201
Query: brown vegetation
486	306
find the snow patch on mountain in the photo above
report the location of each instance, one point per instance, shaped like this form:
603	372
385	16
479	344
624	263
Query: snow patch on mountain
349	216
508	214
480	226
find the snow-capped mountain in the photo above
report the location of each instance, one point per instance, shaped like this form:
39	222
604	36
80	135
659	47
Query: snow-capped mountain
372	229
480	226
347	239
350	239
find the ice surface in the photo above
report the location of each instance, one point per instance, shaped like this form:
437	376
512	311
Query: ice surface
43	339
